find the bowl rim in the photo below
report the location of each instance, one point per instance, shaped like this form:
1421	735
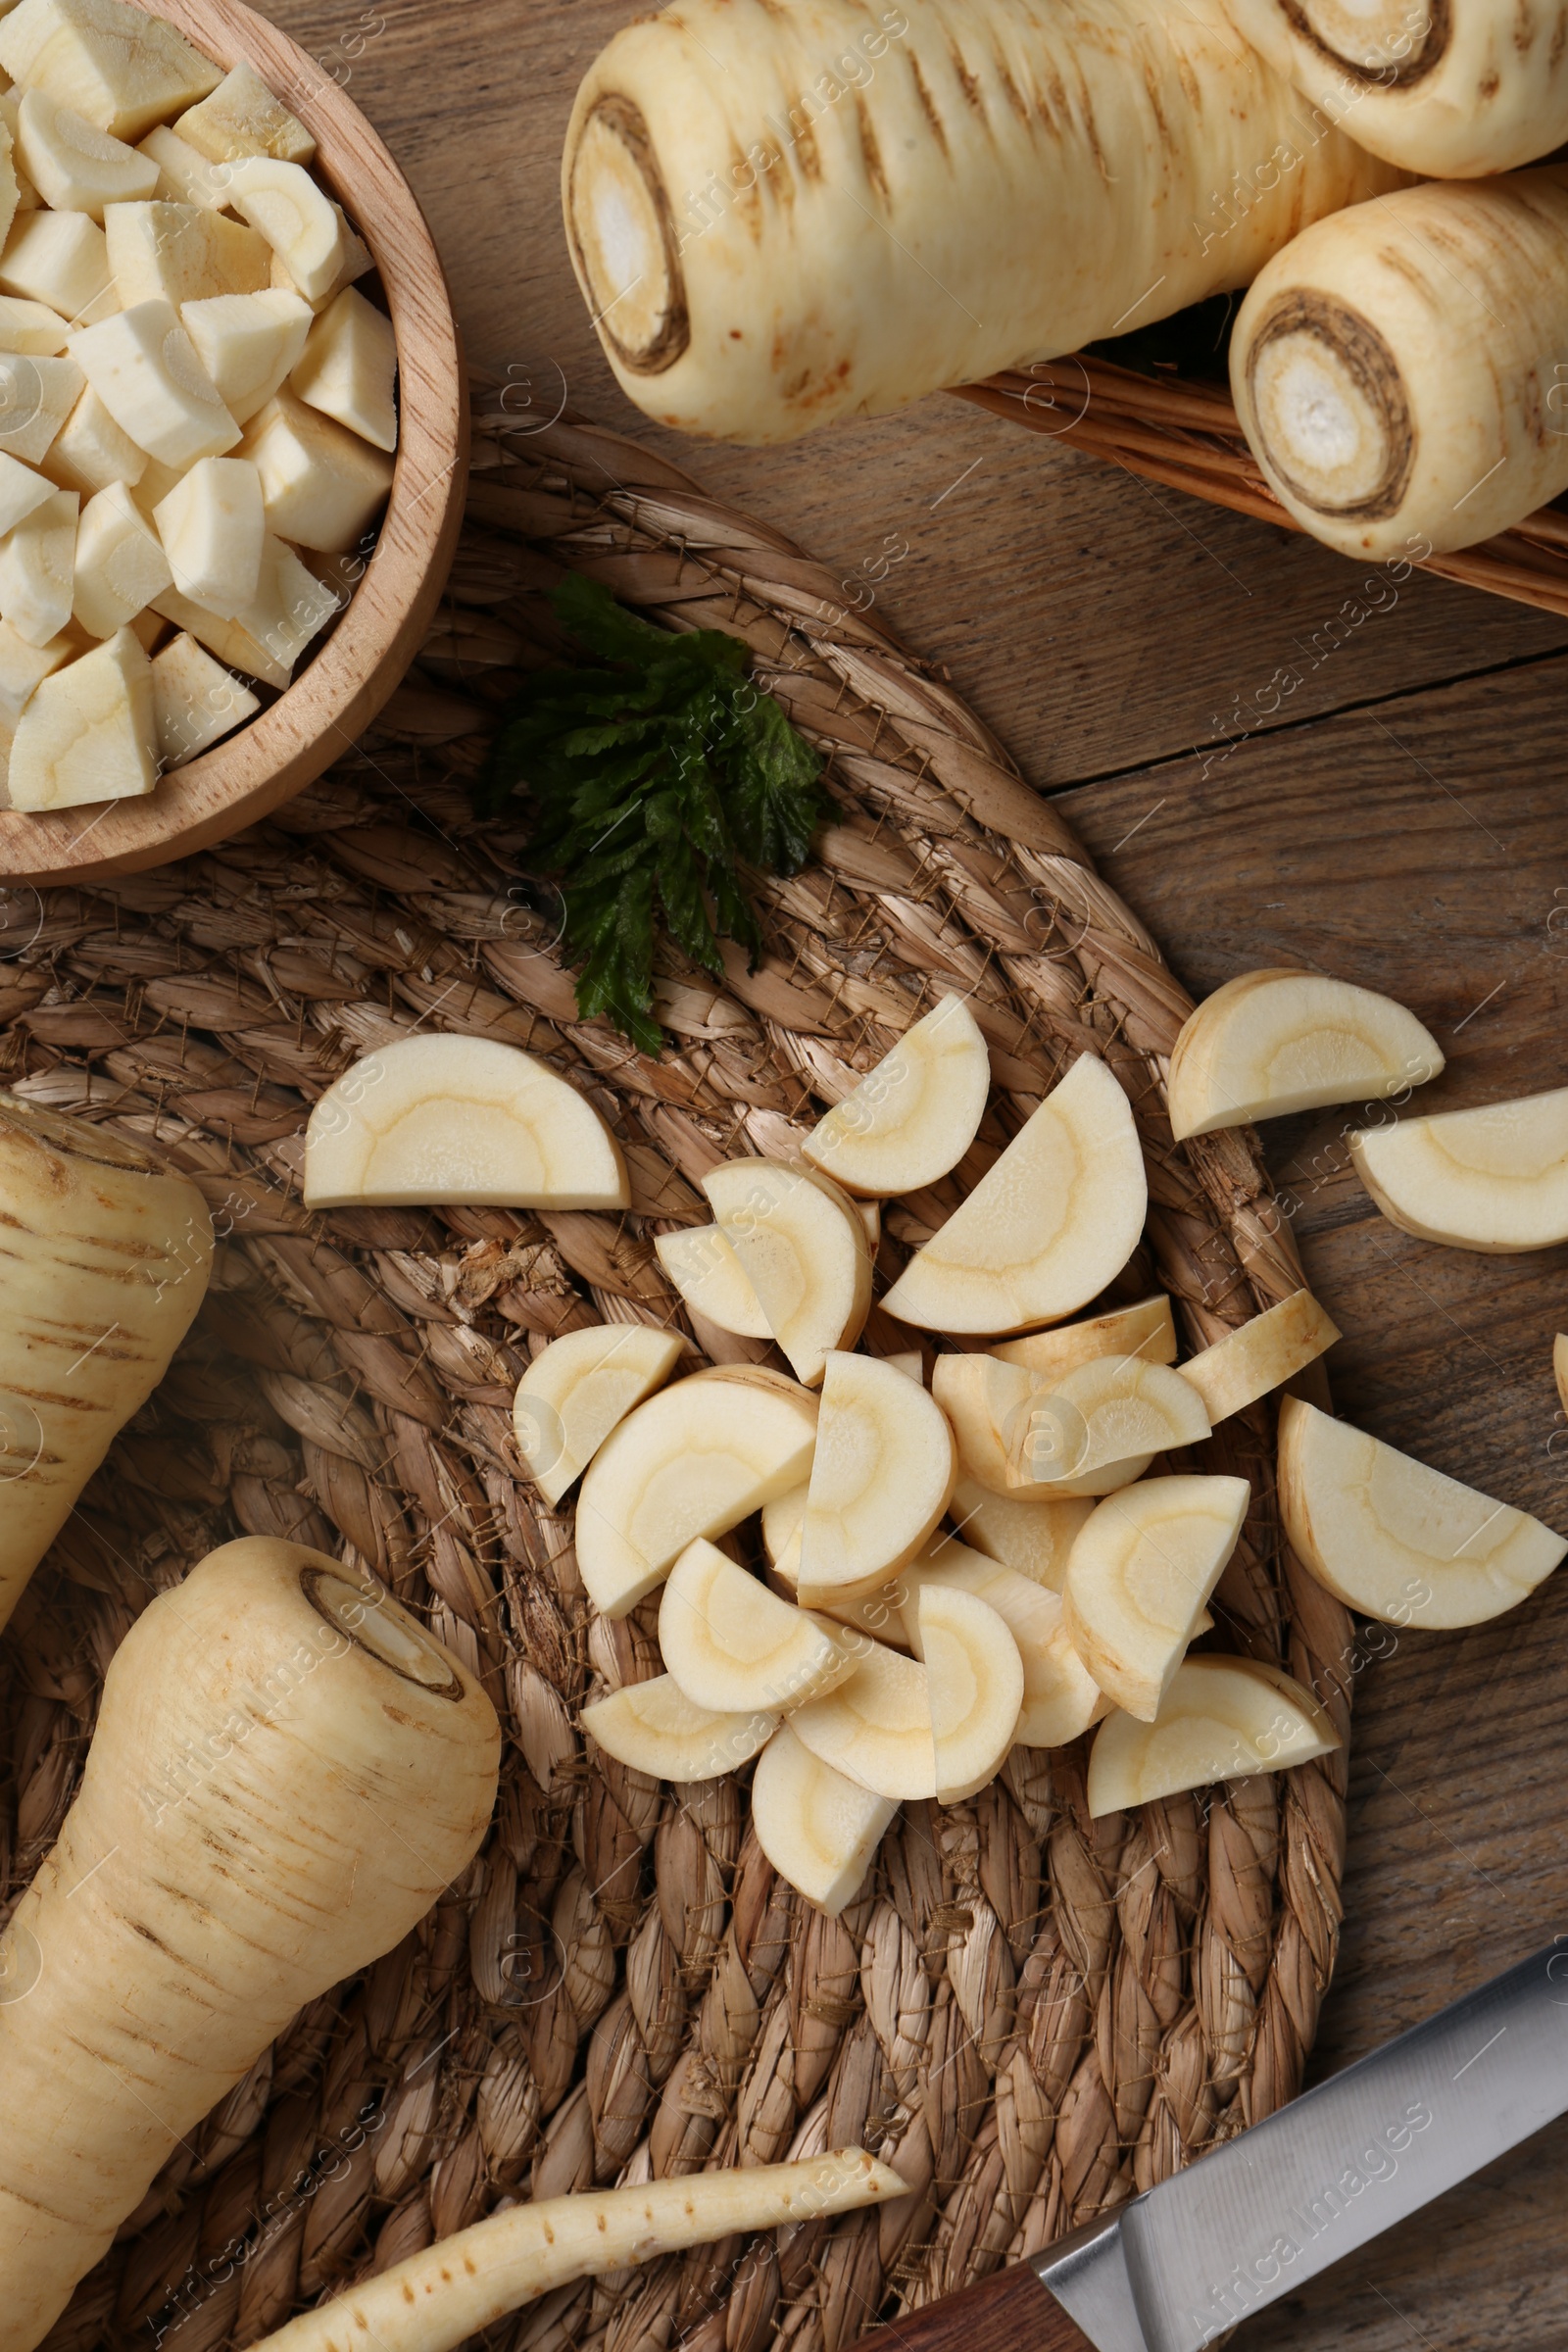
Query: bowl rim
316	720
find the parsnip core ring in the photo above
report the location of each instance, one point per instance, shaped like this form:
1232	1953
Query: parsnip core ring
625	239
1330	408
1395	42
386	1632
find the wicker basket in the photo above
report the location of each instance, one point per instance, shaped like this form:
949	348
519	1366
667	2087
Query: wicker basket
1031	2013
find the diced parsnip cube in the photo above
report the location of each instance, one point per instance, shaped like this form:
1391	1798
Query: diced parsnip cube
120	563
33	327
23	667
324	487
119	66
184	176
299	220
61	258
195	701
89	732
268	639
37	396
177	253
350	367
37	569
248	344
242	118
213	528
21	491
74	167
144	368
90	452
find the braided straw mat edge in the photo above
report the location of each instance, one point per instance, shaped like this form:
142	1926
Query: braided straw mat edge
1029	2013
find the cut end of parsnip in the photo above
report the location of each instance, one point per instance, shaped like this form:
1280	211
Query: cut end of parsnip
622	238
1060	1697
1262	1355
1047	1228
876	1727
655	1728
694	1460
1113	1410
913	1118
974	1679
819	1829
1140	1578
1222	1719
1034	1538
432	1121
1273	1041
580	1389
880	1482
1147	1329
734	1646
1396	1540
1494	1179
701	1263
1330	410
802	1248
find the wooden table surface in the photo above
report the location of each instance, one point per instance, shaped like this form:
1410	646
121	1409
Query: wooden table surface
1401	821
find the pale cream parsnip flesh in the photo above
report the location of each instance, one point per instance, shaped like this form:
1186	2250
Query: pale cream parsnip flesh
876	1728
819	1829
975	1685
1140	1578
1147	1329
881	1478
1221	1719
805	1252
580	1389
914	1116
733	1646
1261	1356
1492	1179
655	1728
1273	1041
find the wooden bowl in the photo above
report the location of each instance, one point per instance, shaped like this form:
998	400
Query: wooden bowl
286	746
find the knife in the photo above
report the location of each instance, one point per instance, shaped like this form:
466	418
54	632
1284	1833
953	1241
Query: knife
1180	2265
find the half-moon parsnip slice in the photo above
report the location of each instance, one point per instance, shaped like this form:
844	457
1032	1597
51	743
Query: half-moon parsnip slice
805	1252
1261	1356
1268	1043
694	1460
655	1728
876	1728
974	1678
881	1477
1222	1719
1147	1329
992	1406
1060	1699
734	1646
877	1612
1494	1179
1113	1409
914	1116
1140	1578
819	1830
579	1390
701	1263
1396	1540
436	1121
1035	1538
1047	1228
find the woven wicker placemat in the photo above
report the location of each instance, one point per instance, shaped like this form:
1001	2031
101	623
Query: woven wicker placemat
1029	2013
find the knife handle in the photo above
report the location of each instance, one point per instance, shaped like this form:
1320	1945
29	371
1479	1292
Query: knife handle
1008	2312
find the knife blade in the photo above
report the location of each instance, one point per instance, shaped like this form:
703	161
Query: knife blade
1181	2264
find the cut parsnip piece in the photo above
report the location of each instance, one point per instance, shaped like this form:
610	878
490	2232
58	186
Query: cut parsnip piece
355	261
1034	1538
1222	1719
1140	1578
876	1728
695	1460
241	118
1396	1540
876	1613
21	491
267	638
581	1389
1113	1409
90	452
701	1263
1559	1367
74	167
196	701
144	368
1274	1041
1044	1230
180	252
911	1362
214	529
819	1829
733	1645
999	1411
23	668
433	1120
349	371
88	733
37	396
655	1728
59	259
37	569
880	1482
120	566
914	1116
1060	1697
783	1519
185	177
32	327
1261	1356
322	485
804	1251
248	344
1147	1329
1494	1179
299	220
121	66
974	1680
